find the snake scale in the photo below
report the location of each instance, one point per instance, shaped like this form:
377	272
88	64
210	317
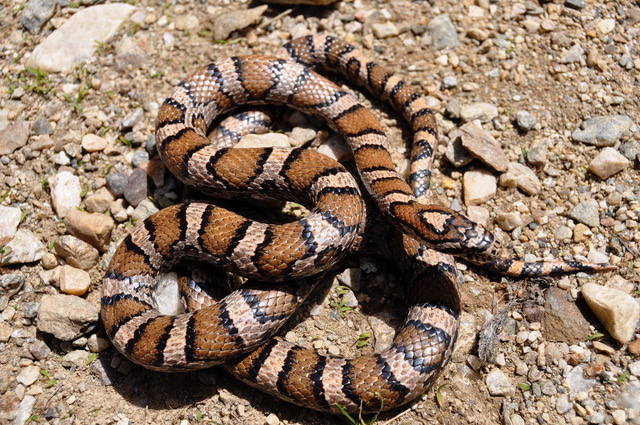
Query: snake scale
238	330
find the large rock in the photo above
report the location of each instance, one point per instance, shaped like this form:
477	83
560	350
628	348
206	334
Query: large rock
25	247
93	228
618	311
65	192
66	316
14	136
9	221
75	41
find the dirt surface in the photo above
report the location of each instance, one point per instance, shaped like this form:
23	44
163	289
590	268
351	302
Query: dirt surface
514	56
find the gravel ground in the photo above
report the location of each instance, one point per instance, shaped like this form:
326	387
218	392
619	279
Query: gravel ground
537	107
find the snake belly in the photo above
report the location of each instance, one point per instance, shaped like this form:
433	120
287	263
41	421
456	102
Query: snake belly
237	330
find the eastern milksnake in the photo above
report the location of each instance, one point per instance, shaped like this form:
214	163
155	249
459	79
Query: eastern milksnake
237	331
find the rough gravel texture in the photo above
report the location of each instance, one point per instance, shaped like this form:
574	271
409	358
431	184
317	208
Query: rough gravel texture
552	82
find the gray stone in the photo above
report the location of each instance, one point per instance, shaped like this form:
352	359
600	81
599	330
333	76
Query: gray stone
139	157
30	310
525	120
586	212
450	82
563	405
443	33
36	13
75	41
136	189
145	209
25	247
603	130
631	150
228	22
39	350
132	118
629	398
75	359
116	183
67	317
11	283
576	4
42	126
574	54
13	137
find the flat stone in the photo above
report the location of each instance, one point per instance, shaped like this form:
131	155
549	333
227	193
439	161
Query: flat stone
11	283
607	163
483	146
309	2
522	177
25	247
228	22
42	126
574	54
629	397
93	228
67	317
577	381
499	384
5	332
65	192
93	143
75	359
483	112
562	320
478	186
25	410
603	130
443	33
618	311
186	22
100	201
36	13
586	212
76	252
13	137
9	221
28	375
75	41
335	147
95	344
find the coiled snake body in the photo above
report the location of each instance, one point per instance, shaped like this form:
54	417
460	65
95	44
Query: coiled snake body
233	331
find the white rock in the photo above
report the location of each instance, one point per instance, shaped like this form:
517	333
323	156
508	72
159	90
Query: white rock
509	221
619	312
74	281
25	409
65	192
93	143
606	25
479	186
336	148
499	385
9	221
522	177
25	247
75	41
608	162
484	112
28	375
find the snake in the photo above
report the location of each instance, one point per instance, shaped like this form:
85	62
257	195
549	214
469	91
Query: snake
282	262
